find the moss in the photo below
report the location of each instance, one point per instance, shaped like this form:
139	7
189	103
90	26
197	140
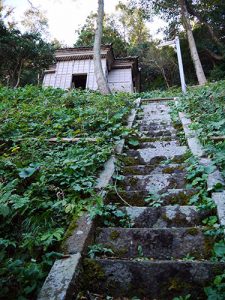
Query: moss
193	231
178	219
133	181
93	274
69	232
128	160
121	252
129	171
114	235
179	285
180	198
169	170
208	246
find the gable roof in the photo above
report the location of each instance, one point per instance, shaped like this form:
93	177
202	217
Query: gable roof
80	53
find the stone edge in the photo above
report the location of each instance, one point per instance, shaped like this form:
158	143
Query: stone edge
213	178
56	286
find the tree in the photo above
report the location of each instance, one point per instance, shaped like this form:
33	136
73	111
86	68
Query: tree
192	45
135	31
110	35
175	12
35	20
99	74
22	55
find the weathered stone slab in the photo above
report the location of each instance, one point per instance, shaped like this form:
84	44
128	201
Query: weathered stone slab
219	199
61	281
145	145
193	141
160	134
147	169
152	279
159	243
137	198
165	216
155	182
158	149
81	236
214	179
155	126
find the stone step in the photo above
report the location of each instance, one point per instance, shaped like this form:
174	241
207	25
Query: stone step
176	169
160	134
166	216
156	243
158	280
147	145
167	138
160	149
156	127
137	198
155	182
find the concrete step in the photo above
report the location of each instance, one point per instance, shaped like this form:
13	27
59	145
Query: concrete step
155	182
155	243
176	169
156	127
158	280
160	134
137	198
166	216
151	145
160	149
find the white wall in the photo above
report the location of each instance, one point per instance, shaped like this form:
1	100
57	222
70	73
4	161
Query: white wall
120	80
49	79
62	78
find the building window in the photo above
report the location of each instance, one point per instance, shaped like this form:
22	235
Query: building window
79	81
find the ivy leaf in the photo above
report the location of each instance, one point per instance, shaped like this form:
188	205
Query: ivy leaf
29	171
219	249
133	142
4	210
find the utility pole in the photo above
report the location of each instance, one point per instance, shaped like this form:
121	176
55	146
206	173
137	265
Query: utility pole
176	42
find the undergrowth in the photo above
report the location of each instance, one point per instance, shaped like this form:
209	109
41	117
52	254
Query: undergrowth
43	185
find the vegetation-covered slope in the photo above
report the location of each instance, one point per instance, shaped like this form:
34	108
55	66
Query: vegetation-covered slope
44	185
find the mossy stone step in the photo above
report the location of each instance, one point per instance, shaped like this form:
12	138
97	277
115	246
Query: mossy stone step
137	197
160	134
156	127
156	243
155	182
145	145
159	149
166	216
176	169
160	280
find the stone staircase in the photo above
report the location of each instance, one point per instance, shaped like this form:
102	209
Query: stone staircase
165	254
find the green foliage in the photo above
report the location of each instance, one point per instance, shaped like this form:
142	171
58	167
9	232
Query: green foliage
98	249
111	215
44	185
154	199
23	56
217	290
110	35
186	297
209	99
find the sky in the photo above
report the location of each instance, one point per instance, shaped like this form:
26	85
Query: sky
66	16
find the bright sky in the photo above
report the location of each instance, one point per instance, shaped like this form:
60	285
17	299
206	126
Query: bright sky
65	16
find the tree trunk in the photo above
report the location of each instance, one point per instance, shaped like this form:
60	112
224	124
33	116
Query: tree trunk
194	13
99	74
19	75
191	41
